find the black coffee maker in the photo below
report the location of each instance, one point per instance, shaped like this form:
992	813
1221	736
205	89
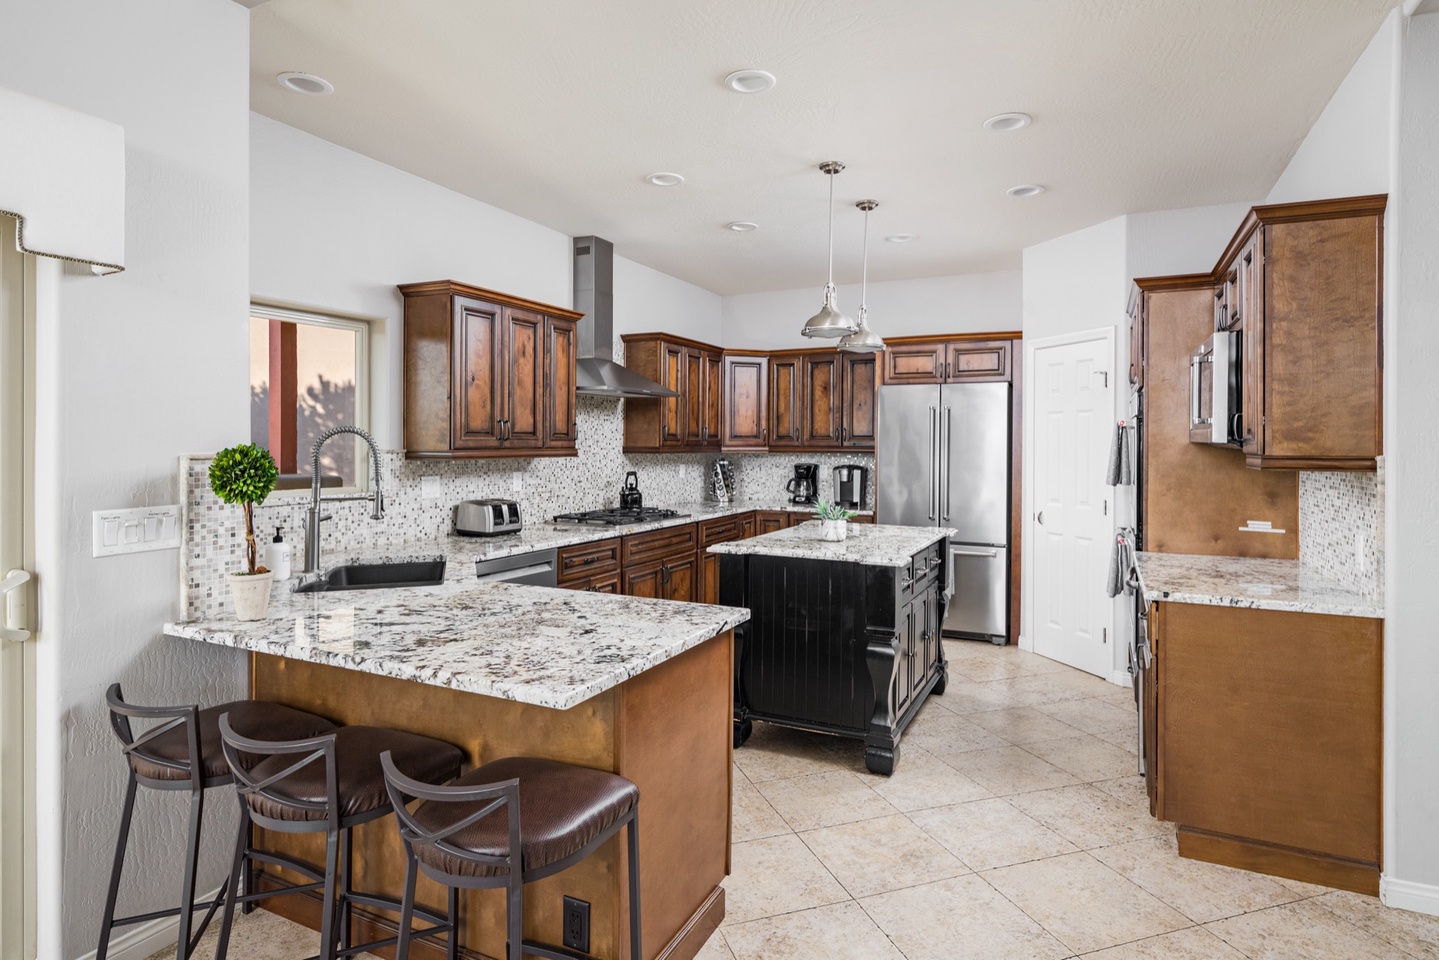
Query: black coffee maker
804	488
851	486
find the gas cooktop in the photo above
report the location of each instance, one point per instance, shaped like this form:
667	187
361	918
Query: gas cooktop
620	517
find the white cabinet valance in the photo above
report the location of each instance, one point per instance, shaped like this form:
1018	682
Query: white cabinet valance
62	174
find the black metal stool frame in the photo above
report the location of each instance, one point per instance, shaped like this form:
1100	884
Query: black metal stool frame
172	717
504	795
334	826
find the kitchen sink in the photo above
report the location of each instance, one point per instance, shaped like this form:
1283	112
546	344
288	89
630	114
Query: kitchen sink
376	576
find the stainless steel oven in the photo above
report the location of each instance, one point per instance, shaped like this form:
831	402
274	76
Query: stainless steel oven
1215	391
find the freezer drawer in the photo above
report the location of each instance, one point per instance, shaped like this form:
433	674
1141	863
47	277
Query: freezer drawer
980	605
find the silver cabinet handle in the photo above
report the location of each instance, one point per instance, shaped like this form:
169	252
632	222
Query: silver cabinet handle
974	553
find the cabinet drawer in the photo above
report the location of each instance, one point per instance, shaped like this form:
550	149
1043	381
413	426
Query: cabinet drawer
587	560
922	569
659	545
722	529
604	583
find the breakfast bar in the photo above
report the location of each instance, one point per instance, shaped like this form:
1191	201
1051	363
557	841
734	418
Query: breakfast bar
633	686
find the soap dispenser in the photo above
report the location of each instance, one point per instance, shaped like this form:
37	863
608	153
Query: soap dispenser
277	556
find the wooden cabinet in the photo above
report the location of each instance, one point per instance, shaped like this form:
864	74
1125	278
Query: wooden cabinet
690	422
967	359
1266	755
1306	282
786	401
768	521
584	561
739	526
861	382
745	409
486	374
823	399
661	564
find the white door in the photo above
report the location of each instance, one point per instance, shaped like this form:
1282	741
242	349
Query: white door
1069	525
17	704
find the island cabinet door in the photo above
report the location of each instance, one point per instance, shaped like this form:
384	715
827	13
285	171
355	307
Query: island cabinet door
903	684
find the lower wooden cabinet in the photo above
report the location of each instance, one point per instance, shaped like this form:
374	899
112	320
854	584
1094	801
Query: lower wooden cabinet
1264	739
662	564
740	526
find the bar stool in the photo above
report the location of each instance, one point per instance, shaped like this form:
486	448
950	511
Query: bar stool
554	814
182	751
324	784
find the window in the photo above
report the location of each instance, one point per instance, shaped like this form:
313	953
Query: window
308	373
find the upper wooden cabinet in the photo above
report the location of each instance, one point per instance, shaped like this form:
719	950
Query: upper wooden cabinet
786	401
948	359
486	374
693	420
745	410
1303	284
823	408
861	383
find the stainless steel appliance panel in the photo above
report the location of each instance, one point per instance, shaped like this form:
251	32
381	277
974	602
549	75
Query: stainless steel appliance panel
980	605
539	568
906	461
974	457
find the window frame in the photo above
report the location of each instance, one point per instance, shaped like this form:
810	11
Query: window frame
362	328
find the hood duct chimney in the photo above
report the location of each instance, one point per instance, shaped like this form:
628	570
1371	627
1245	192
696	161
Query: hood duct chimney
596	373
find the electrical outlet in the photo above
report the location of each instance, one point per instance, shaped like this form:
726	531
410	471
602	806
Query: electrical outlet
517	482
577	925
430	488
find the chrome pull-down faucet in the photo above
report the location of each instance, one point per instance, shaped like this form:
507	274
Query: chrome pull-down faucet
313	517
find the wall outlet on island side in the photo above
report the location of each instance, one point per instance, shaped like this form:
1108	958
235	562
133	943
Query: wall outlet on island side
577	925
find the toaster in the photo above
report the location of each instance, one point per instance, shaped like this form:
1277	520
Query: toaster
487	518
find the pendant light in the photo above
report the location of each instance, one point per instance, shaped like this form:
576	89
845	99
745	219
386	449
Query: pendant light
864	340
829	322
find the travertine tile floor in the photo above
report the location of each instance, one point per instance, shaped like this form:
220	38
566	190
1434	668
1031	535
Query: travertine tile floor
1015	828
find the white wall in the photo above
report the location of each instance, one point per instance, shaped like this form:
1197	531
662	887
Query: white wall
336	231
132	370
1411	400
1346	152
1169	242
966	303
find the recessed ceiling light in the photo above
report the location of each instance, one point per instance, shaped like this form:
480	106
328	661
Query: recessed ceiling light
665	179
1025	190
1005	122
900	237
742	226
306	83
750	81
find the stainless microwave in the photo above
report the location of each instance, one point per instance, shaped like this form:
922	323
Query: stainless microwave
1215	391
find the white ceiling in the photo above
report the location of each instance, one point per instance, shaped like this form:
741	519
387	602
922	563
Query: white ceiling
557	110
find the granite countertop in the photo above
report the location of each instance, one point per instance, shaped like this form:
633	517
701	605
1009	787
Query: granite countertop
873	544
463	552
1246	582
539	645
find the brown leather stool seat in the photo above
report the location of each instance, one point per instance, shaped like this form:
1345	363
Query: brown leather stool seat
259	719
360	780
563	808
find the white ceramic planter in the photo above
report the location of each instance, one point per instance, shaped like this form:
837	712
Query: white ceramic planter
251	593
833	531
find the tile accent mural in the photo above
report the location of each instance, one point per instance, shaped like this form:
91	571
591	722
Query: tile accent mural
1341	526
420	496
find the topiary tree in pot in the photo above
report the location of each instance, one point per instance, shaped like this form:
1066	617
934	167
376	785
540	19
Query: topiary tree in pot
245	474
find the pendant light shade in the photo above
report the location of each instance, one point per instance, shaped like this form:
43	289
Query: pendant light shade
829	322
863	340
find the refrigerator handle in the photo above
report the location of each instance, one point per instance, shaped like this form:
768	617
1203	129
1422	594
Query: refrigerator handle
933	440
944	454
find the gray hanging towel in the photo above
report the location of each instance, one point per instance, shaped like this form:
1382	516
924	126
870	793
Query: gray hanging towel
1120	471
1121	564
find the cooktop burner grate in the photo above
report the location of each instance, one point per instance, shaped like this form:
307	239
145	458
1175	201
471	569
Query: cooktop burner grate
618	517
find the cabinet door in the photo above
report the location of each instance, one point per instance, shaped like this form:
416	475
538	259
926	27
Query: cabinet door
914	363
681	578
524	359
786	401
793	518
823	399
768	521
858	426
561	418
903	684
608	583
746	403
479	374
709	584
746	526
644	581
694	399
712	407
977	361
1136	342
1250	290
674	411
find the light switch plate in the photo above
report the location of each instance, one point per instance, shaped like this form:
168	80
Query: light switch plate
517	482
429	488
135	530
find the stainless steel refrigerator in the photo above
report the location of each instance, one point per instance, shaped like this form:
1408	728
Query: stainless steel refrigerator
943	460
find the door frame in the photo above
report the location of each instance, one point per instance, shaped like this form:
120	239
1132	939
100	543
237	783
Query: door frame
1031	535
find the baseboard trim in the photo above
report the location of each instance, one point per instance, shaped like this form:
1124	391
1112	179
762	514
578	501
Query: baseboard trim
143	939
1121	678
1408	895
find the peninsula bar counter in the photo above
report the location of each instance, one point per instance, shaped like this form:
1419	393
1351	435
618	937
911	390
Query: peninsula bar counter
637	687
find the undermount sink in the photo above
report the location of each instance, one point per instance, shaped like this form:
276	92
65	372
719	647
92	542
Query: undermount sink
376	576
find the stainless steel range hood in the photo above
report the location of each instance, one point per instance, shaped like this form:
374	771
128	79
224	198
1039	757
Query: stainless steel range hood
596	373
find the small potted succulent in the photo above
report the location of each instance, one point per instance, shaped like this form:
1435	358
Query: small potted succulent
833	521
245	474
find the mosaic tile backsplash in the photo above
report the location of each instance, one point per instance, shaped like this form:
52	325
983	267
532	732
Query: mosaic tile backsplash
420	495
1341	526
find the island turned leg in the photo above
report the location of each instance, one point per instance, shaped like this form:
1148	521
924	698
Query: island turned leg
881	746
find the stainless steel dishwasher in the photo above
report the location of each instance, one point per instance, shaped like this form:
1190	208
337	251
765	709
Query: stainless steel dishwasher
538	568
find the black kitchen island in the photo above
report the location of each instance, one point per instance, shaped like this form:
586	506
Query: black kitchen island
843	637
